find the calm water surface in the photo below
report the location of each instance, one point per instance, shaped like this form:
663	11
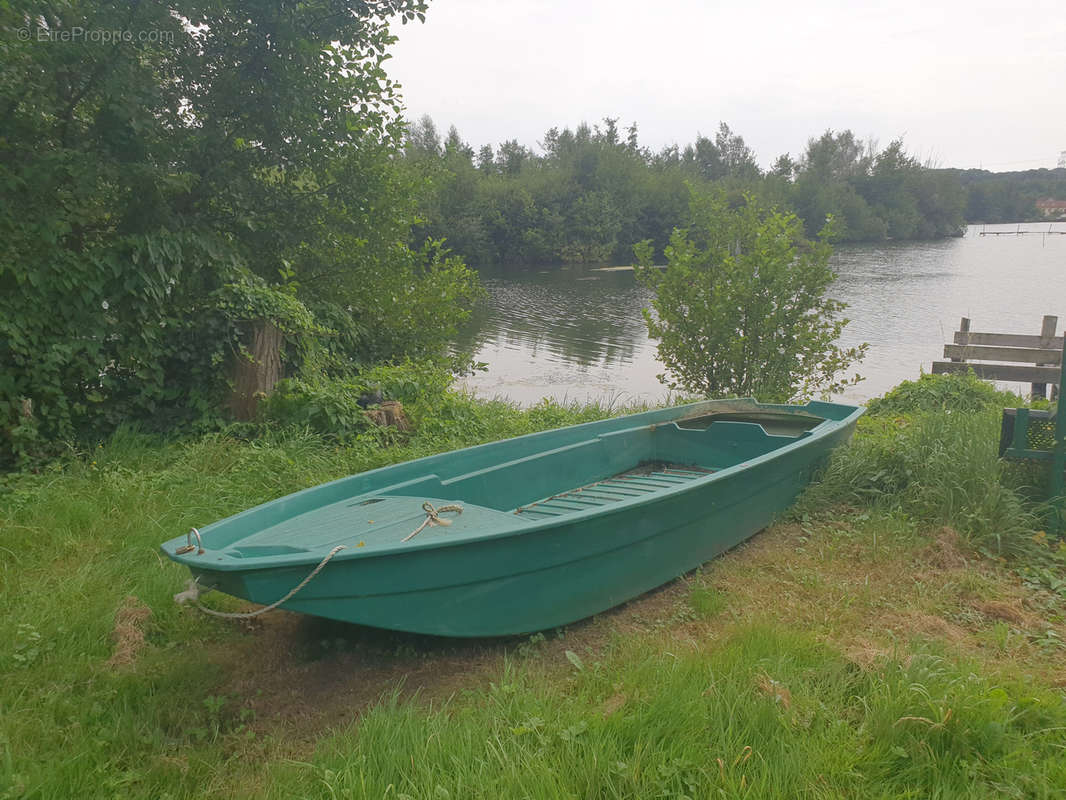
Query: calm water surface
577	333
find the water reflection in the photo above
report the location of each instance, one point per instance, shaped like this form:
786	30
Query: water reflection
577	332
571	315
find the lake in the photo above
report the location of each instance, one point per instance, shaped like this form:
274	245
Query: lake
576	333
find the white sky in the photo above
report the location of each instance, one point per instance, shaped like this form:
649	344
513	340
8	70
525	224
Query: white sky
968	84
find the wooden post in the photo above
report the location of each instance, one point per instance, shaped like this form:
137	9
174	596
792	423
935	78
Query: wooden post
1047	333
964	327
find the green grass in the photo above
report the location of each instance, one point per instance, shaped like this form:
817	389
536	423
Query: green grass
843	654
765	713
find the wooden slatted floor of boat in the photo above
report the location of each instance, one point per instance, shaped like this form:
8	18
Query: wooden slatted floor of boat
635	482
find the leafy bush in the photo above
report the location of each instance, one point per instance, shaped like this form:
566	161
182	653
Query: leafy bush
741	308
326	407
173	213
956	393
332	406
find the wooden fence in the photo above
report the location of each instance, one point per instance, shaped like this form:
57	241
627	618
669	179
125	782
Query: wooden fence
1033	359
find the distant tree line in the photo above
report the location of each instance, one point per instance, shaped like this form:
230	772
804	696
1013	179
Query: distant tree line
1009	196
589	194
593	192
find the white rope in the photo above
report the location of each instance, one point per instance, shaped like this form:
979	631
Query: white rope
192	591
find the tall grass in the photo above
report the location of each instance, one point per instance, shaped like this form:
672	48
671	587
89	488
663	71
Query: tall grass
930	448
941	469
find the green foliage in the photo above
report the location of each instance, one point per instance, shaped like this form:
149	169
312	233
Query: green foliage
327	408
330	407
958	393
741	308
418	303
1009	196
168	191
253	299
593	192
765	713
874	195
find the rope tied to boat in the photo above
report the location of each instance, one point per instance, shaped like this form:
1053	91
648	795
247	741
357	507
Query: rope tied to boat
192	591
432	518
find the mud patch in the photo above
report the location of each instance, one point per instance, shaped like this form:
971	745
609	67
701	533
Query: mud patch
128	633
301	675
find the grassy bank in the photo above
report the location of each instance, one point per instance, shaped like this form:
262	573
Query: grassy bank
901	635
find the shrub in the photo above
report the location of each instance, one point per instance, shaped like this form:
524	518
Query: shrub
332	406
326	407
956	393
741	308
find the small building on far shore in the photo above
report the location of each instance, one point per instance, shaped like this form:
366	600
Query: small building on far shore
1052	209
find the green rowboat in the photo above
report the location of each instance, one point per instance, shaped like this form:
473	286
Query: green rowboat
527	533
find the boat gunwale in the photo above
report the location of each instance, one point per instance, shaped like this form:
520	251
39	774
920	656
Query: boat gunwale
522	527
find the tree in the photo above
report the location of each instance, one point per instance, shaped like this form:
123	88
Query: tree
206	185
737	158
741	308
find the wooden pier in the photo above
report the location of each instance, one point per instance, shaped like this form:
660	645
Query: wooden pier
1020	232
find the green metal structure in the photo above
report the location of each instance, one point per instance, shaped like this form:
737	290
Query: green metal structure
1037	435
528	533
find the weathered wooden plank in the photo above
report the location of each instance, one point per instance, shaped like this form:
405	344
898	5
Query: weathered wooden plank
1001	372
1047	331
1007	340
1022	355
964	327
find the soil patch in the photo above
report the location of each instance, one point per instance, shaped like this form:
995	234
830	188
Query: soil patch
301	675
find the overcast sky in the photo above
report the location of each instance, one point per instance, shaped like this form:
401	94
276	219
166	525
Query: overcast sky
968	84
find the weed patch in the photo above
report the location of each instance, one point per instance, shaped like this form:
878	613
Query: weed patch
128	633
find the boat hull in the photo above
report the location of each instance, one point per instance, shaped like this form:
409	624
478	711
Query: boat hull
555	572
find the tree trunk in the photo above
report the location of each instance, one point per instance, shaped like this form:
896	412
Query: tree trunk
256	372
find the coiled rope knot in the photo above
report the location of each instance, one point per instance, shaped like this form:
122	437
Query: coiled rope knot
432	518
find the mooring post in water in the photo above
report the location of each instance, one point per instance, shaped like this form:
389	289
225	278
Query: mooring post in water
1047	333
